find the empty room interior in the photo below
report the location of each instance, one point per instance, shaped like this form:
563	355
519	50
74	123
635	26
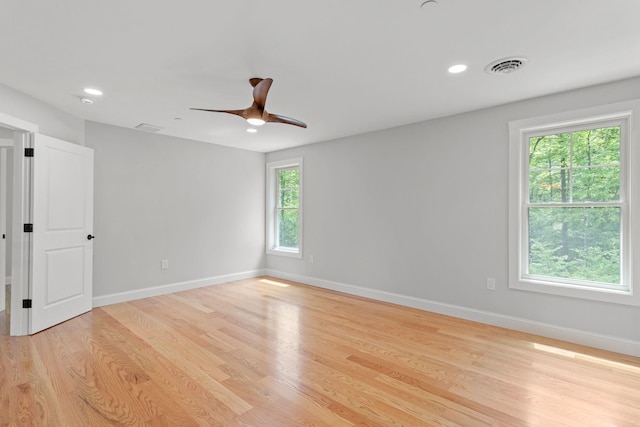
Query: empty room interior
280	213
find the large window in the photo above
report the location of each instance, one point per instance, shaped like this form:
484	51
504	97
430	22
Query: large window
284	208
571	199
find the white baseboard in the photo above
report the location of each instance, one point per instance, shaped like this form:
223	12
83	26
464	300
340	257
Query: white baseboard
618	345
102	300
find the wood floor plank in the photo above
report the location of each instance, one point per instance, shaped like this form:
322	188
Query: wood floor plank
174	386
196	361
272	353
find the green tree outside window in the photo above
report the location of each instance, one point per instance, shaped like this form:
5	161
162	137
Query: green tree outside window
574	231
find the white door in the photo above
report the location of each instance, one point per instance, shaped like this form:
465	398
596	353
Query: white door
62	241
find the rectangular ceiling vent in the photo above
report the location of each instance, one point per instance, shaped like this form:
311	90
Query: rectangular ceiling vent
149	128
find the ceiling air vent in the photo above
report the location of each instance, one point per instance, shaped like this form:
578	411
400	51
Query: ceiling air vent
149	128
505	65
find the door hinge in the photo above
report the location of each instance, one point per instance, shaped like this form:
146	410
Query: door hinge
26	303
28	228
4	236
28	152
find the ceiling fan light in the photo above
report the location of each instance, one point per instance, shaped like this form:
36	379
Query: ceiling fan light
92	91
256	121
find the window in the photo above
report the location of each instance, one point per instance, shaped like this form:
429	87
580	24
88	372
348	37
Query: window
572	180
284	208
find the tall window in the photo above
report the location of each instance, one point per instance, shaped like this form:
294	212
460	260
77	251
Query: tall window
570	225
574	209
284	208
288	207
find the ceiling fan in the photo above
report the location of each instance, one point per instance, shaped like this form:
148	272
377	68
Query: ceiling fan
256	114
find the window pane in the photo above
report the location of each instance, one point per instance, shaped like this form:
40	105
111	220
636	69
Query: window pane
548	186
596	147
288	198
288	228
596	184
549	151
294	178
288	178
283	178
284	208
575	243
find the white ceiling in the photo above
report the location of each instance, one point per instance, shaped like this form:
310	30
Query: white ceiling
343	67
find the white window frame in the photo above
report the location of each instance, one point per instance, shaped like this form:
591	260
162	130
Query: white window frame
627	113
271	208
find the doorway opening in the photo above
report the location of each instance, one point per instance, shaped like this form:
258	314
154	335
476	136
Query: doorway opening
15	136
6	196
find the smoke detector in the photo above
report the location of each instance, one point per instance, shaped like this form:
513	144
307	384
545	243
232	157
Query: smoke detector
505	65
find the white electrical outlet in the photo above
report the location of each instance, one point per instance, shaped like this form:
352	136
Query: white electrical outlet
491	283
164	265
311	259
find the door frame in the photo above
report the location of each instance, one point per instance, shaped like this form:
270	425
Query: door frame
5	146
21	214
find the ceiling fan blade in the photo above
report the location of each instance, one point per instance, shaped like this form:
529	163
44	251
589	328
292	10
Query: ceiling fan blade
256	114
240	113
260	92
286	120
254	81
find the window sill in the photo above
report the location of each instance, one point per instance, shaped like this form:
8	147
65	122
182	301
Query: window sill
616	296
291	253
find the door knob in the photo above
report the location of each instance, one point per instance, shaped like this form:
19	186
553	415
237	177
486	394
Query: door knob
89	237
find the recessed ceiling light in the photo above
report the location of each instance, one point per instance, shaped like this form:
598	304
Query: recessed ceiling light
86	100
92	91
252	130
458	68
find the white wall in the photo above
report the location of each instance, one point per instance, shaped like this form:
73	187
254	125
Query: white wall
421	211
51	121
198	205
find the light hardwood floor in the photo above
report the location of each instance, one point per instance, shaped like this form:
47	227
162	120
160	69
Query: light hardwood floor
270	353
